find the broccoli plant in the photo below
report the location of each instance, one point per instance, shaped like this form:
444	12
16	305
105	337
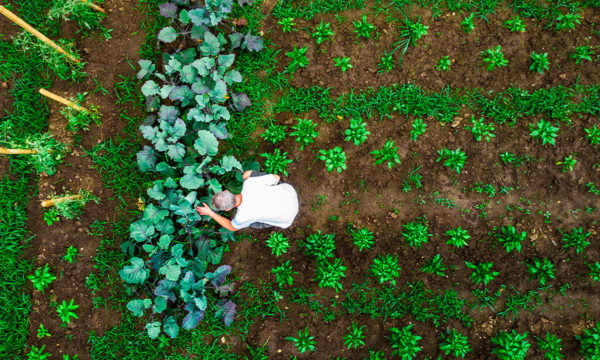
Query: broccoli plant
277	162
454	159
386	268
322	33
404	342
510	346
318	245
544	131
416	233
482	272
278	243
454	343
357	132
510	239
362	238
305	132
389	154
493	58
334	159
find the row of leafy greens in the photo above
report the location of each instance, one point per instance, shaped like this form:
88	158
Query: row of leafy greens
171	251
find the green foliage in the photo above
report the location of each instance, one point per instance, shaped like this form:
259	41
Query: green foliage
567	164
305	132
567	21
322	33
42	332
544	131
434	266
595	271
418	128
468	24
404	342
51	216
542	269
363	28
413	178
510	239
386	268
458	237
386	63
362	238
343	63
71	254
550	346
48	153
304	342
416	233
355	337
73	208
329	274
493	58
515	24
287	24
375	355
575	239
593	135
277	162
298	57
510	346
357	132
582	53
42	278
318	245
454	343
334	159
481	130
278	243
284	273
590	342
444	63
410	32
389	154
539	62
66	311
454	159
80	120
79	11
274	133
38	353
482	272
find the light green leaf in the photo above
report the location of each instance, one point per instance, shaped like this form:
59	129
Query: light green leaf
150	88
206	143
153	329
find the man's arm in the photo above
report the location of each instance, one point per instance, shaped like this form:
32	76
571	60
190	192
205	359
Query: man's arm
223	221
248	173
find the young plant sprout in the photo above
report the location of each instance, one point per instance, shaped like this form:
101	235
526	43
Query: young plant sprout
362	238
567	21
434	266
567	164
444	63
416	233
510	346
386	63
42	332
357	132
41	278
334	159
274	133
575	239
71	254
593	135
544	131
515	24
581	53
355	337
458	237
389	154
322	33
481	130
284	274
318	245
298	57
595	271
329	274
550	346
386	269
418	128
541	269
277	162
539	62
493	58
363	28
454	159
51	216
304	342
467	24
454	343
305	132
404	342
278	243
482	272
66	311
343	63
588	341
510	239
287	25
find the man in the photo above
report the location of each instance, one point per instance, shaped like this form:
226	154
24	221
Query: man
262	203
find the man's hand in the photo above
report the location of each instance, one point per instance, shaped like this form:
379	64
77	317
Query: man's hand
246	174
204	210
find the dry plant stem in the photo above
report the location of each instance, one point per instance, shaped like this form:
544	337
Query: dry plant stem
62	100
52	202
94	6
6	151
4	11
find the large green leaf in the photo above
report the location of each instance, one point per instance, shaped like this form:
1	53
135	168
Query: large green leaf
206	143
150	88
154	214
153	329
136	273
210	46
167	34
141	230
170	326
137	306
171	270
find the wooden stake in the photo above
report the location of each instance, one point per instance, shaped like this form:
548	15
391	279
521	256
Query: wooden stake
6	151
94	6
62	100
4	11
52	202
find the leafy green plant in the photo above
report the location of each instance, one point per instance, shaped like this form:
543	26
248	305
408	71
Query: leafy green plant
322	33
510	346
444	63
41	278
539	62
567	21
304	342
458	237
298	57
47	152
38	353
404	342
386	268
550	346
287	24
284	273
434	266
595	271
481	130
567	164
544	131
334	159
78	120
355	337
363	28
410	32
416	233
318	245
274	133
375	355
386	63
581	53
493	58
343	63
329	274
592	188
576	239
510	239
468	24
79	11
305	132
278	243
357	132
454	343
515	24
454	159
42	332
590	342
362	238
277	162
66	311
71	254
413	178
389	154
51	216
482	272
593	135
542	269
418	128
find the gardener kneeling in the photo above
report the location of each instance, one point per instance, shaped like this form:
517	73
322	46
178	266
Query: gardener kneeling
262	203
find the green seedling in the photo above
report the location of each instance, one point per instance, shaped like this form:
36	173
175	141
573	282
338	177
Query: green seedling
284	274
550	346
363	28
386	269
539	62
78	120
305	132
389	154
38	353
278	243
41	278
454	159
386	63
277	162
434	266
304	342
454	343
416	233
510	346
322	33
66	311
274	133
444	63
593	135
589	346
544	131
51	216
355	337
481	130
42	332
575	239
410	32
329	274
404	342
335	159
357	132
362	238
71	254
595	271
493	58
482	272
287	24
510	238
582	53
515	24
541	269
418	128
468	24
458	237
567	21
343	63
568	163
299	59
318	245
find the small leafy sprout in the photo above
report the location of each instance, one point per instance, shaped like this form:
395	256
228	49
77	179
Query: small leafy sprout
80	120
568	163
454	343
576	239
329	274
278	243
66	311
510	346
404	342
418	128
414	178
287	24
515	24
284	274
362	238
458	237
322	33
494	58
277	162
42	278
304	342
592	188
593	135
567	21
375	355
444	63
389	154
595	271
582	53
481	130
343	63
38	353
298	57
539	62
508	158
467	24
550	346
386	63
51	216
510	239
318	245
357	132
416	233
544	131
434	266
413	30
355	336
42	332
363	28
305	132
274	133
454	159
589	344
482	272
334	159
386	268
71	254
541	269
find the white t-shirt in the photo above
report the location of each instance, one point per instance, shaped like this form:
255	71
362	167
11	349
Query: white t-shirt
265	202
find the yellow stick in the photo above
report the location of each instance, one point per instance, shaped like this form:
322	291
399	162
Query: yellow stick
4	11
94	6
6	151
62	100
52	202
